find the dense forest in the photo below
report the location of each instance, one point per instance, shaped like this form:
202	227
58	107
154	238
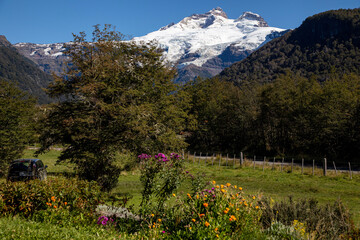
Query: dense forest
17	69
324	43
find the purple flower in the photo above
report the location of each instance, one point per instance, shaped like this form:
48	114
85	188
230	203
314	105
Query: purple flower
213	189
187	171
163	232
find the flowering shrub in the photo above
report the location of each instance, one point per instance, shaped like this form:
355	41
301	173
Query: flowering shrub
160	177
58	197
223	212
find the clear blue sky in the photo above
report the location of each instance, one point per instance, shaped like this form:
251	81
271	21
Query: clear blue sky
49	21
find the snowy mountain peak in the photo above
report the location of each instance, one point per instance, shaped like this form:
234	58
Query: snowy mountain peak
217	12
253	17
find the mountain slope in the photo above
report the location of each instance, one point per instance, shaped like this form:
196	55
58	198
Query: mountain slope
199	45
324	43
15	68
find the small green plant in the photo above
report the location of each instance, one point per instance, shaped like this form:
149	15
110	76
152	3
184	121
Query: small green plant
160	177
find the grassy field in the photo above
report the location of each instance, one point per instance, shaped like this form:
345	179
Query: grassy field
270	183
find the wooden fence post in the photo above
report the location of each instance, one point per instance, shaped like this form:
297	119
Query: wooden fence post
313	169
325	166
302	166
292	165
241	159
234	161
200	157
350	171
273	166
227	159
335	168
264	163
213	159
254	161
194	157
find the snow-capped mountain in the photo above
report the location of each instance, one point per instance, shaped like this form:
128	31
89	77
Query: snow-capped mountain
49	57
204	44
199	45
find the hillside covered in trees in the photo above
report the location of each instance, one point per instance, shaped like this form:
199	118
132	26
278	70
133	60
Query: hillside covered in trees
19	70
324	43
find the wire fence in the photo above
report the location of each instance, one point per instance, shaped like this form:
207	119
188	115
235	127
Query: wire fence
285	164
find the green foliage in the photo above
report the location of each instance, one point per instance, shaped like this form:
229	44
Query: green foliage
58	200
321	222
118	97
160	177
17	112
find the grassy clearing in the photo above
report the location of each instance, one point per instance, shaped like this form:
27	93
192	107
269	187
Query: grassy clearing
18	228
271	183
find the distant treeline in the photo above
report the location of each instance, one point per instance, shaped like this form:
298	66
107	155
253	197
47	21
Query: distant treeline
292	115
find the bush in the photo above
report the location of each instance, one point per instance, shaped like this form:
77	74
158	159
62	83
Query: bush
322	222
56	200
223	212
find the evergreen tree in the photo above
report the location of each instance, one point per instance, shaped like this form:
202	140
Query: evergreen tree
119	96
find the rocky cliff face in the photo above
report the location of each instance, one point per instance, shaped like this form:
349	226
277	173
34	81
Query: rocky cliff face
49	57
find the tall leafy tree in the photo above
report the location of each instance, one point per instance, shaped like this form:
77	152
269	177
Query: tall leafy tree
17	111
119	95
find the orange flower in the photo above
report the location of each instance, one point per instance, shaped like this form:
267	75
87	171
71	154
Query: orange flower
222	186
159	220
232	218
189	195
216	229
240	188
207	224
202	215
223	190
53	198
228	184
213	182
257	207
152	215
193	220
65	203
205	204
217	186
226	210
55	206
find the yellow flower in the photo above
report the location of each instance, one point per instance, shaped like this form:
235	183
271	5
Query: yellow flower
197	196
205	204
253	197
213	182
152	215
190	228
217	235
226	210
193	220
159	220
237	209
257	207
222	186
205	196
174	195
217	186
207	224
240	188
235	186
232	218
228	184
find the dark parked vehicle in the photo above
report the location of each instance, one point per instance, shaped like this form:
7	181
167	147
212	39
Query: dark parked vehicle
26	169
